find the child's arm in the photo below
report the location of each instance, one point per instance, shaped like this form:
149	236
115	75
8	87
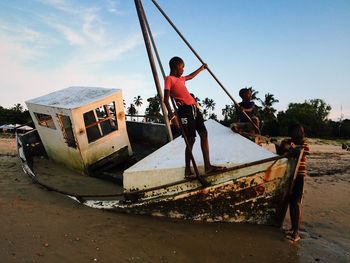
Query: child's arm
166	102
171	115
195	73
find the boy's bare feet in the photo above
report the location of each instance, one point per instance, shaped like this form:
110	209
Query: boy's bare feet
213	169
189	174
293	237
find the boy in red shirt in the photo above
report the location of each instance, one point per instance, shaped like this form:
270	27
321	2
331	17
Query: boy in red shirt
190	117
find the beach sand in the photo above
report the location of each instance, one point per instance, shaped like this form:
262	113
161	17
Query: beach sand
41	226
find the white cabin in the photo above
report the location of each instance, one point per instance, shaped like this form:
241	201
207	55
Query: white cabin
82	127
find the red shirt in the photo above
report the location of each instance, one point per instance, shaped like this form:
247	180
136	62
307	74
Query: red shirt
178	90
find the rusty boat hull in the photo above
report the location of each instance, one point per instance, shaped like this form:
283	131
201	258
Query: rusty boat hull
256	192
259	198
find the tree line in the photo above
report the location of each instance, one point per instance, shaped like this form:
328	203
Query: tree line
312	114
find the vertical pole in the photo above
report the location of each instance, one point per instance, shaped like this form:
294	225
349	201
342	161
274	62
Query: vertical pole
153	66
195	168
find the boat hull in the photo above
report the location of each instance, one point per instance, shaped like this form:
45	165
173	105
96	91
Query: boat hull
255	193
259	198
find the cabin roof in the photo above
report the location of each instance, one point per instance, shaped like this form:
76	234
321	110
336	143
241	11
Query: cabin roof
73	97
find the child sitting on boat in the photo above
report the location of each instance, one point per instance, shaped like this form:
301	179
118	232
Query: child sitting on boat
190	117
246	107
296	141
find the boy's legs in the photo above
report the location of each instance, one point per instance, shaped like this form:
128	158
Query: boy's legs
205	149
295	206
188	123
188	170
203	134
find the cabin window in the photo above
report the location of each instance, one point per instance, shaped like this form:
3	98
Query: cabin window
67	130
45	120
100	122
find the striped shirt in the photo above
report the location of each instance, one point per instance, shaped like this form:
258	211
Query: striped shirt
303	160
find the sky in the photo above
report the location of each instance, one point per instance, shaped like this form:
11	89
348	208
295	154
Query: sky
296	50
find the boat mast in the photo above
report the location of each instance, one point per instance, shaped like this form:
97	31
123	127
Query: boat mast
153	65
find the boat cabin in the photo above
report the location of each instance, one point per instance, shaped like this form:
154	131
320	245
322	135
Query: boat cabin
82	127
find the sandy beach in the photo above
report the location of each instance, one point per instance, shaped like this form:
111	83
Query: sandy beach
41	226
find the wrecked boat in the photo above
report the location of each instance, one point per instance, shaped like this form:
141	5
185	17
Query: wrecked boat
82	134
90	138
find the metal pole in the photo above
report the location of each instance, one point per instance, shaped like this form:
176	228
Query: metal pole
153	66
195	168
201	60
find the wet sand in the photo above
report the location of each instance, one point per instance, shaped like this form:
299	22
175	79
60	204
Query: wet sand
41	226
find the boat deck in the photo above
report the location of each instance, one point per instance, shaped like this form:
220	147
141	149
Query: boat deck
59	177
106	182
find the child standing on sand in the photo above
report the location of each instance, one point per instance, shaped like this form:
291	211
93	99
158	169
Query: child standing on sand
190	117
296	141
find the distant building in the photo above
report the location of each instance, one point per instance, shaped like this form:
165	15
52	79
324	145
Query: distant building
82	127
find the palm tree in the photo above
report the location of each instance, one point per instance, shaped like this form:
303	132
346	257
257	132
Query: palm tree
213	116
138	102
18	107
230	114
153	110
225	112
209	104
267	109
254	93
205	113
132	110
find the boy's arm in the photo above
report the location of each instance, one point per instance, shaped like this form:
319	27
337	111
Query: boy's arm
195	73
166	102
171	115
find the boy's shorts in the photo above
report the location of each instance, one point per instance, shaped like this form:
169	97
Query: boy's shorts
191	119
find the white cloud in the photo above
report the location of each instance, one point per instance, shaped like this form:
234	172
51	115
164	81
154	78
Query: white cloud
19	82
15	52
61	5
112	7
92	26
25	36
72	37
96	55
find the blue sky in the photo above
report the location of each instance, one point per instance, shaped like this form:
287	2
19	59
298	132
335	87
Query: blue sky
296	50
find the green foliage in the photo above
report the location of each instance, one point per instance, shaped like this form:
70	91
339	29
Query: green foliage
311	114
152	112
138	101
14	115
340	129
267	111
132	110
213	116
209	106
230	115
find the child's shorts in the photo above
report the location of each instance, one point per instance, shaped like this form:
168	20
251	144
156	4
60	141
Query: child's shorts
191	119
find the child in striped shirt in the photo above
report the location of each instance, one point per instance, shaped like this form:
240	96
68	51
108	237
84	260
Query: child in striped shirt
296	141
